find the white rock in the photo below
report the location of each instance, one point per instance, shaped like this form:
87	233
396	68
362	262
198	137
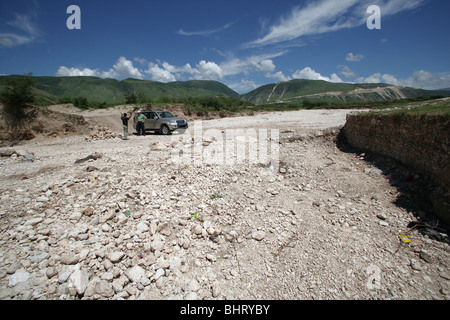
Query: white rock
76	215
258	235
135	274
158	274
175	263
142	227
115	256
194	285
34	221
42	199
216	289
191	296
157	245
104	288
39	257
19	276
79	280
63	277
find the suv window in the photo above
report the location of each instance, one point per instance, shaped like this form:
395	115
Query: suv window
166	114
147	114
152	115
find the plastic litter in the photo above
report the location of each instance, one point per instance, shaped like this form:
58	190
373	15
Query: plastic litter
404	238
127	213
359	156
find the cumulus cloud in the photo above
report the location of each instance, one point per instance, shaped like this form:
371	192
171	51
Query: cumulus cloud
346	71
256	63
209	71
75	72
159	74
427	80
420	79
327	16
204	70
354	57
265	66
310	74
122	69
279	75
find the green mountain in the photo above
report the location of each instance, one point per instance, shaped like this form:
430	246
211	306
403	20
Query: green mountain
297	91
53	90
50	90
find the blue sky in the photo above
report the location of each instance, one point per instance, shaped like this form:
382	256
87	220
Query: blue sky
243	44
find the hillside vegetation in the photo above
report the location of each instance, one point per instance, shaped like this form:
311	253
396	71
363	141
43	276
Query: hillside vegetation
108	92
213	96
315	91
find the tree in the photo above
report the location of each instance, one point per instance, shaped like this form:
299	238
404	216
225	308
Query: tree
81	102
18	91
16	96
131	97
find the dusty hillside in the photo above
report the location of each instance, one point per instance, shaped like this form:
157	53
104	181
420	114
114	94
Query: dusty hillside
39	122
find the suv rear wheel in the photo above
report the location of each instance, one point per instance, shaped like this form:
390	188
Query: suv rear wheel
165	130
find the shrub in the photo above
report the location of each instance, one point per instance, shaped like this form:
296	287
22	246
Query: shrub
81	102
16	95
18	91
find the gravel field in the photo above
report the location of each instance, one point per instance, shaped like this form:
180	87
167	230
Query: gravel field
132	223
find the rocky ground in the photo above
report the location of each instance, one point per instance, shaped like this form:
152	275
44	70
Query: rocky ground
129	223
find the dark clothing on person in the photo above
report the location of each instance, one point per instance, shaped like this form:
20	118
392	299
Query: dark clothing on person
140	128
125	121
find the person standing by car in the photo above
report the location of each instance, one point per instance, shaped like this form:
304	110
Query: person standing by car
140	127
125	119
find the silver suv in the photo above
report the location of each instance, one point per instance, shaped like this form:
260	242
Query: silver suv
161	121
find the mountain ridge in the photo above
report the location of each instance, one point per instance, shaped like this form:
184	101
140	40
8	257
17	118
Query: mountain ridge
299	90
53	90
111	91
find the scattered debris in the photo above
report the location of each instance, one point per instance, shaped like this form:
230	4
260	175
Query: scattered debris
93	156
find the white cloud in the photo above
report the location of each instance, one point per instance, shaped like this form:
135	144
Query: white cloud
167	73
310	74
346	71
122	69
13	40
184	69
209	71
23	31
354	57
265	66
420	79
75	72
244	86
278	76
256	63
427	80
204	32
327	16
159	74
374	78
389	78
141	61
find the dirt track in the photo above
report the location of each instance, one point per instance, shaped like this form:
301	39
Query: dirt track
324	227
